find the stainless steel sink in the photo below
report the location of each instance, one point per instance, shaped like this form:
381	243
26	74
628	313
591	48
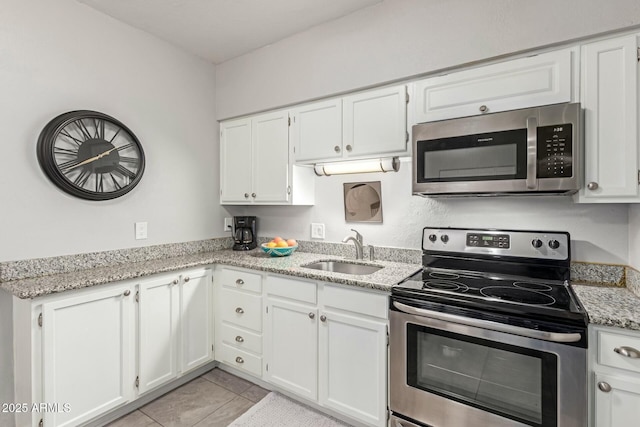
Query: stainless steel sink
343	267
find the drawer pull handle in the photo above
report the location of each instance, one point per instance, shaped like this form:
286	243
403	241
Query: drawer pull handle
239	359
604	386
239	310
628	352
239	282
239	339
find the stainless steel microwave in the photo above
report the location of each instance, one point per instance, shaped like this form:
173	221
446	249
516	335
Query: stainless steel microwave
528	151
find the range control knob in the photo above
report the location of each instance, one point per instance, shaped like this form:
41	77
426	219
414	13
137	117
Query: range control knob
433	237
554	244
444	238
536	243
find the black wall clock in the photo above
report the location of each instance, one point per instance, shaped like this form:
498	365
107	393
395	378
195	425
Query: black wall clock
90	155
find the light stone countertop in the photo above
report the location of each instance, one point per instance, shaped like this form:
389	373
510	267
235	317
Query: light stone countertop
392	273
610	306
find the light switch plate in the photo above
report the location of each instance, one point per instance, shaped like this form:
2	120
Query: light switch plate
317	231
141	230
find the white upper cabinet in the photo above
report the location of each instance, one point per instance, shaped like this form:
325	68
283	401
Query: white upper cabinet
256	163
609	96
375	122
365	124
317	130
547	78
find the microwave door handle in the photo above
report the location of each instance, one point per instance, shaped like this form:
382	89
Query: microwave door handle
532	154
492	326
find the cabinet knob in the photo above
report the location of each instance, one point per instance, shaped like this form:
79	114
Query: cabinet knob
253	194
603	386
323	318
483	109
186	279
627	352
239	282
592	185
239	339
127	293
246	195
239	310
349	148
239	359
336	149
175	281
312	315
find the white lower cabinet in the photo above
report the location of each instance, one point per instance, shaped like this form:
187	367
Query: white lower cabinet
91	350
328	344
174	326
87	355
615	376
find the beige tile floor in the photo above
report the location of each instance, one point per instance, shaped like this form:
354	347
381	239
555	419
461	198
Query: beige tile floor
214	399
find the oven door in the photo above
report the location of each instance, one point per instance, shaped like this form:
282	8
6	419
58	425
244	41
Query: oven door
447	374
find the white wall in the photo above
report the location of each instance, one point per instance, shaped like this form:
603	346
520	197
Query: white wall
399	39
599	233
59	55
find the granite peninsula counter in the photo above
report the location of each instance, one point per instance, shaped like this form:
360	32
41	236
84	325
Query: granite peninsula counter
383	279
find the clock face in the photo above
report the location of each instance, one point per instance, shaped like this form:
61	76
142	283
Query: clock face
90	155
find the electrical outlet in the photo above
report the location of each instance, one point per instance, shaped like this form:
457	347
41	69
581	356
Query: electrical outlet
141	230
317	231
228	224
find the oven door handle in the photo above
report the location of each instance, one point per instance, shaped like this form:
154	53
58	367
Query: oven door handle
486	324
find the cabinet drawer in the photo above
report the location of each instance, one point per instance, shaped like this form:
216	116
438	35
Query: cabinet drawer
357	301
240	359
293	289
608	342
240	280
241	338
241	309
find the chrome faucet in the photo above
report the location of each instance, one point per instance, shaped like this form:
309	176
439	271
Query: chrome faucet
356	241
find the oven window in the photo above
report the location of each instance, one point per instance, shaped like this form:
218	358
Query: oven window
515	382
496	155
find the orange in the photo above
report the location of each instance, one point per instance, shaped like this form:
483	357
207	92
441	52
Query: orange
277	239
291	242
281	244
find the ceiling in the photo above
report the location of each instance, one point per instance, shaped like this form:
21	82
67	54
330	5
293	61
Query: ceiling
218	30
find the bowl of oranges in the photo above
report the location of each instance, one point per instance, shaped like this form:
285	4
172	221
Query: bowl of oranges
279	246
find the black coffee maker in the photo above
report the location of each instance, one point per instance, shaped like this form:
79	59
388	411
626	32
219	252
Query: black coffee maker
244	233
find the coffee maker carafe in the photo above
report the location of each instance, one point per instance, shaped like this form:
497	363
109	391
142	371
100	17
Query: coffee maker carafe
244	233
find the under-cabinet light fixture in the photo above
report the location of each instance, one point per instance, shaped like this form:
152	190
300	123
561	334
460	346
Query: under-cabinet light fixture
388	164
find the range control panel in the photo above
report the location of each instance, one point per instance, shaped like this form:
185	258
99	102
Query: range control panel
517	243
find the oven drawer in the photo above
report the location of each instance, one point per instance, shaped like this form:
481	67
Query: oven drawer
619	350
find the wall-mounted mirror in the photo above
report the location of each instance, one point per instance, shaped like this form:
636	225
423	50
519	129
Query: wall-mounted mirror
363	202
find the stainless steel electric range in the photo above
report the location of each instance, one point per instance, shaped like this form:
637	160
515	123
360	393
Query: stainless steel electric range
489	333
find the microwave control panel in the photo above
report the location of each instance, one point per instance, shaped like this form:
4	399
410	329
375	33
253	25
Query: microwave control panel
555	151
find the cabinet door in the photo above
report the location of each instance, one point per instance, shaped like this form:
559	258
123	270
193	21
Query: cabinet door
619	406
235	161
291	347
158	318
375	122
271	157
195	319
520	83
610	100
87	354
316	131
353	366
